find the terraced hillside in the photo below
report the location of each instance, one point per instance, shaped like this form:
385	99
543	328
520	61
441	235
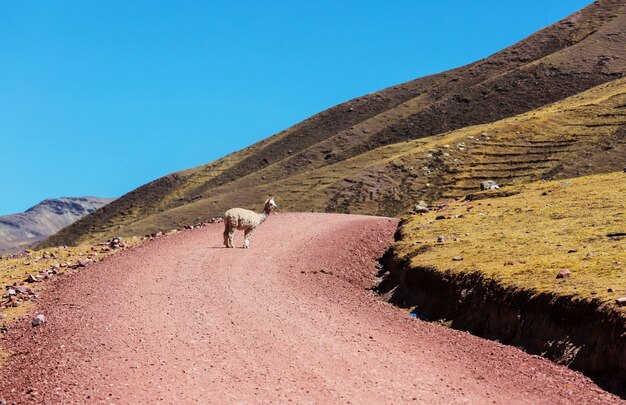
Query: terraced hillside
373	154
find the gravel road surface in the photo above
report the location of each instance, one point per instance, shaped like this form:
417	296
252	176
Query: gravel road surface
180	319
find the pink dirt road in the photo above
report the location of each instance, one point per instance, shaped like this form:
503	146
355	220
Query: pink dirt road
183	320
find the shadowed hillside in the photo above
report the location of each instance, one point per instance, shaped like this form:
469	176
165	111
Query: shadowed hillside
380	153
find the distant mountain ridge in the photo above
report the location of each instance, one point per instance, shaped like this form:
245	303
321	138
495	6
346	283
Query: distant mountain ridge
23	230
380	153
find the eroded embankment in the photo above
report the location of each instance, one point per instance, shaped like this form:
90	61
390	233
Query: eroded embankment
581	334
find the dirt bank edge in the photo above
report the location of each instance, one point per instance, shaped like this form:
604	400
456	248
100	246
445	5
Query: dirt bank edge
581	334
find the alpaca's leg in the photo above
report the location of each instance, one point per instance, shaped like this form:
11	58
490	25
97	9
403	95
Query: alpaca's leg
231	235
225	234
246	238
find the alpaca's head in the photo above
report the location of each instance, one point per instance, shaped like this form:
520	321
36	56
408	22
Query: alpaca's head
270	204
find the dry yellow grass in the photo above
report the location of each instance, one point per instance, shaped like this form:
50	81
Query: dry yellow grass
524	240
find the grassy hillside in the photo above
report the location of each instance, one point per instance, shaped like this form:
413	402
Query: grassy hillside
381	152
525	239
580	135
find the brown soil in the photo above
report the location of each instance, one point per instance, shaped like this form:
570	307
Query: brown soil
576	333
183	320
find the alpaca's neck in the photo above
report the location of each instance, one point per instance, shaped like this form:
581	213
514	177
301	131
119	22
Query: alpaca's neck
263	216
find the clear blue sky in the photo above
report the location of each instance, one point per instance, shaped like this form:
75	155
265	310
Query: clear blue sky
100	97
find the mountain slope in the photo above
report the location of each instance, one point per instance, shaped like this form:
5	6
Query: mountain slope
583	134
20	231
582	51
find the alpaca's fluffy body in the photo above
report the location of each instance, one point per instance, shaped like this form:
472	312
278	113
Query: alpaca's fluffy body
241	219
244	220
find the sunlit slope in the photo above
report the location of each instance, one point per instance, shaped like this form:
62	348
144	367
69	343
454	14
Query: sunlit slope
313	157
526	239
583	134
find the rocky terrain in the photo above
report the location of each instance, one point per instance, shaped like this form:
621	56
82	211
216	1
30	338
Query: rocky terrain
505	116
24	275
21	231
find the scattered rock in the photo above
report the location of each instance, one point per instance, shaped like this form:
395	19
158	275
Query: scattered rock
621	302
489	185
31	279
116	243
441	239
564	273
11	291
83	262
3	316
457	258
23	289
421	208
440	217
572	251
610	289
567	184
39	320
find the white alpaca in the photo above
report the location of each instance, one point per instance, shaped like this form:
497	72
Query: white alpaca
246	220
